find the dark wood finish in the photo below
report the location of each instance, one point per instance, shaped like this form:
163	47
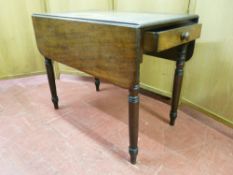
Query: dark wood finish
104	51
51	80
97	84
112	51
133	122
177	84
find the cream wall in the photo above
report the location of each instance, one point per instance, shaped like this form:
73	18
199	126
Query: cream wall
18	52
175	6
77	5
208	82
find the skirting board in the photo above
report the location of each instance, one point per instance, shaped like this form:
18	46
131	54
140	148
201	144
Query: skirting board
21	75
208	112
78	73
189	103
156	90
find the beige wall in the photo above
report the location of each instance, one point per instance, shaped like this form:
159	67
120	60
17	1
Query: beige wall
208	81
77	5
175	6
18	51
209	75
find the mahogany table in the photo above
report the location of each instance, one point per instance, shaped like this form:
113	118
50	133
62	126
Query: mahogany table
110	45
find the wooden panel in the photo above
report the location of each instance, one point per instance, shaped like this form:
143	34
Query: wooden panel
17	42
108	52
77	5
164	6
208	82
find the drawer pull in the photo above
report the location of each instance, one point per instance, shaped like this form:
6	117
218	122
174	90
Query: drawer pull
185	36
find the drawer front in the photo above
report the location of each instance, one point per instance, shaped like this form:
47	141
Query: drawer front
157	41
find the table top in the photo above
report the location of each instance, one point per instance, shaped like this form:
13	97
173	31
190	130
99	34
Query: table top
129	19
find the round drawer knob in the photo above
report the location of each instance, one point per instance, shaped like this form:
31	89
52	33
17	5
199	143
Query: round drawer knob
184	36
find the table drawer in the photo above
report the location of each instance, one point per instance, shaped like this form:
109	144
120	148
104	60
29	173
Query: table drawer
156	41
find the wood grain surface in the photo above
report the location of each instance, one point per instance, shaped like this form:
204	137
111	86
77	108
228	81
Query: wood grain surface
105	51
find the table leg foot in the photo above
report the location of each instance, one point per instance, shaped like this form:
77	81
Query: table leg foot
133	123
55	102
133	155
173	116
97	84
51	80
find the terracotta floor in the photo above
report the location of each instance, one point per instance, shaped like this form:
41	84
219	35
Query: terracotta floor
88	135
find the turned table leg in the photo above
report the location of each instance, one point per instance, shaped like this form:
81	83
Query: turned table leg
177	84
133	122
51	79
97	84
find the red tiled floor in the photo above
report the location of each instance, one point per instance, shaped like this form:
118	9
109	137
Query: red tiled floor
88	135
